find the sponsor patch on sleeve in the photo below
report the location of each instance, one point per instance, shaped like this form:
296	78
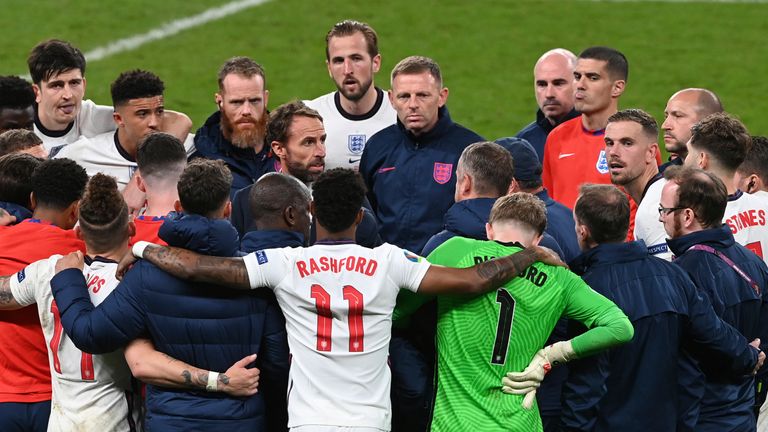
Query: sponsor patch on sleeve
261	257
410	256
20	276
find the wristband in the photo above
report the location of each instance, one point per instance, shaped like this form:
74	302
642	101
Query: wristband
213	382
138	248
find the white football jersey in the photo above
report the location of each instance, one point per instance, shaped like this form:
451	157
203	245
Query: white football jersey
338	301
347	133
92	120
103	154
746	215
648	228
90	392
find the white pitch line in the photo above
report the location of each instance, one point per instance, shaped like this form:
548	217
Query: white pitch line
170	29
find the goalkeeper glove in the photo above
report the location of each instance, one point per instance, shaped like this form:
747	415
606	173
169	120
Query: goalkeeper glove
527	381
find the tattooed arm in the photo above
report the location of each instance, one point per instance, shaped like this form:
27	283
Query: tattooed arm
485	276
188	265
7	300
159	369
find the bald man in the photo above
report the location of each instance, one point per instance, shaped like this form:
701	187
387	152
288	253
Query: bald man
553	85
684	109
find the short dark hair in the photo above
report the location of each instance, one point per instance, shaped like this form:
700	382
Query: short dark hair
15	93
135	84
616	63
16	178
604	210
349	28
724	137
490	166
645	120
338	195
15	140
53	57
204	186
520	207
103	214
700	191
242	66
160	154
281	118
273	193
417	64
756	161
57	183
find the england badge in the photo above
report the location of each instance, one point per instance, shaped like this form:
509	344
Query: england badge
442	172
356	143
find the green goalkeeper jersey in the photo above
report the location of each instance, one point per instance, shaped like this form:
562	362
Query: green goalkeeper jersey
481	338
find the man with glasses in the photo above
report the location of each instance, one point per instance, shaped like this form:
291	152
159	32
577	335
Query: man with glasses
735	280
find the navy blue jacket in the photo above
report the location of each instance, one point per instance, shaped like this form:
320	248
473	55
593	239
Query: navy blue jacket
246	166
367	233
209	327
726	402
635	387
536	132
411	179
20	212
467	218
560	226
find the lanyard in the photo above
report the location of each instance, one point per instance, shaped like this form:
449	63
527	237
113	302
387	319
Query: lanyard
733	265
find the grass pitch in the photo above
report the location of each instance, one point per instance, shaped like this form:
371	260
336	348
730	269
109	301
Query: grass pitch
486	48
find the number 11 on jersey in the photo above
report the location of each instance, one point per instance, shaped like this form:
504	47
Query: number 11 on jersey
325	317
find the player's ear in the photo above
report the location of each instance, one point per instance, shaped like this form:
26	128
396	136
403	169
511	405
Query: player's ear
289	216
376	63
131	228
537	239
32	201
359	217
177	207
312	208
79	232
227	211
140	182
489	231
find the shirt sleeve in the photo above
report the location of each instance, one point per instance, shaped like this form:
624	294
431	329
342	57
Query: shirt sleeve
267	267
34	277
607	323
406	269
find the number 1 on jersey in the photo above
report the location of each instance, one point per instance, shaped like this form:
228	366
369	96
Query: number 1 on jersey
325	317
504	327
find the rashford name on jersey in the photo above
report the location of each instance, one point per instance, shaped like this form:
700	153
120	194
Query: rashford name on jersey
336	265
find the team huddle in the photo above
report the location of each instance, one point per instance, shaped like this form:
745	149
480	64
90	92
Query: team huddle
360	262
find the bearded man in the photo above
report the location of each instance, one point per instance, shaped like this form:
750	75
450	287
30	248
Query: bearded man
235	133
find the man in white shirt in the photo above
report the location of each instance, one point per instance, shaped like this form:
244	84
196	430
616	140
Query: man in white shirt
719	144
358	109
338	300
61	115
631	148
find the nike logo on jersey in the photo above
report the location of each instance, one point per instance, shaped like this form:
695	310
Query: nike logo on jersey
354	160
565	155
383	170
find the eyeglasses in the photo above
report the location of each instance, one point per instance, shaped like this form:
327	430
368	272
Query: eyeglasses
663	211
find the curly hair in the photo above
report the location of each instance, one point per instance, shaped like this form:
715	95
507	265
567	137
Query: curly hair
57	183
338	195
103	214
135	84
204	187
15	93
16	178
